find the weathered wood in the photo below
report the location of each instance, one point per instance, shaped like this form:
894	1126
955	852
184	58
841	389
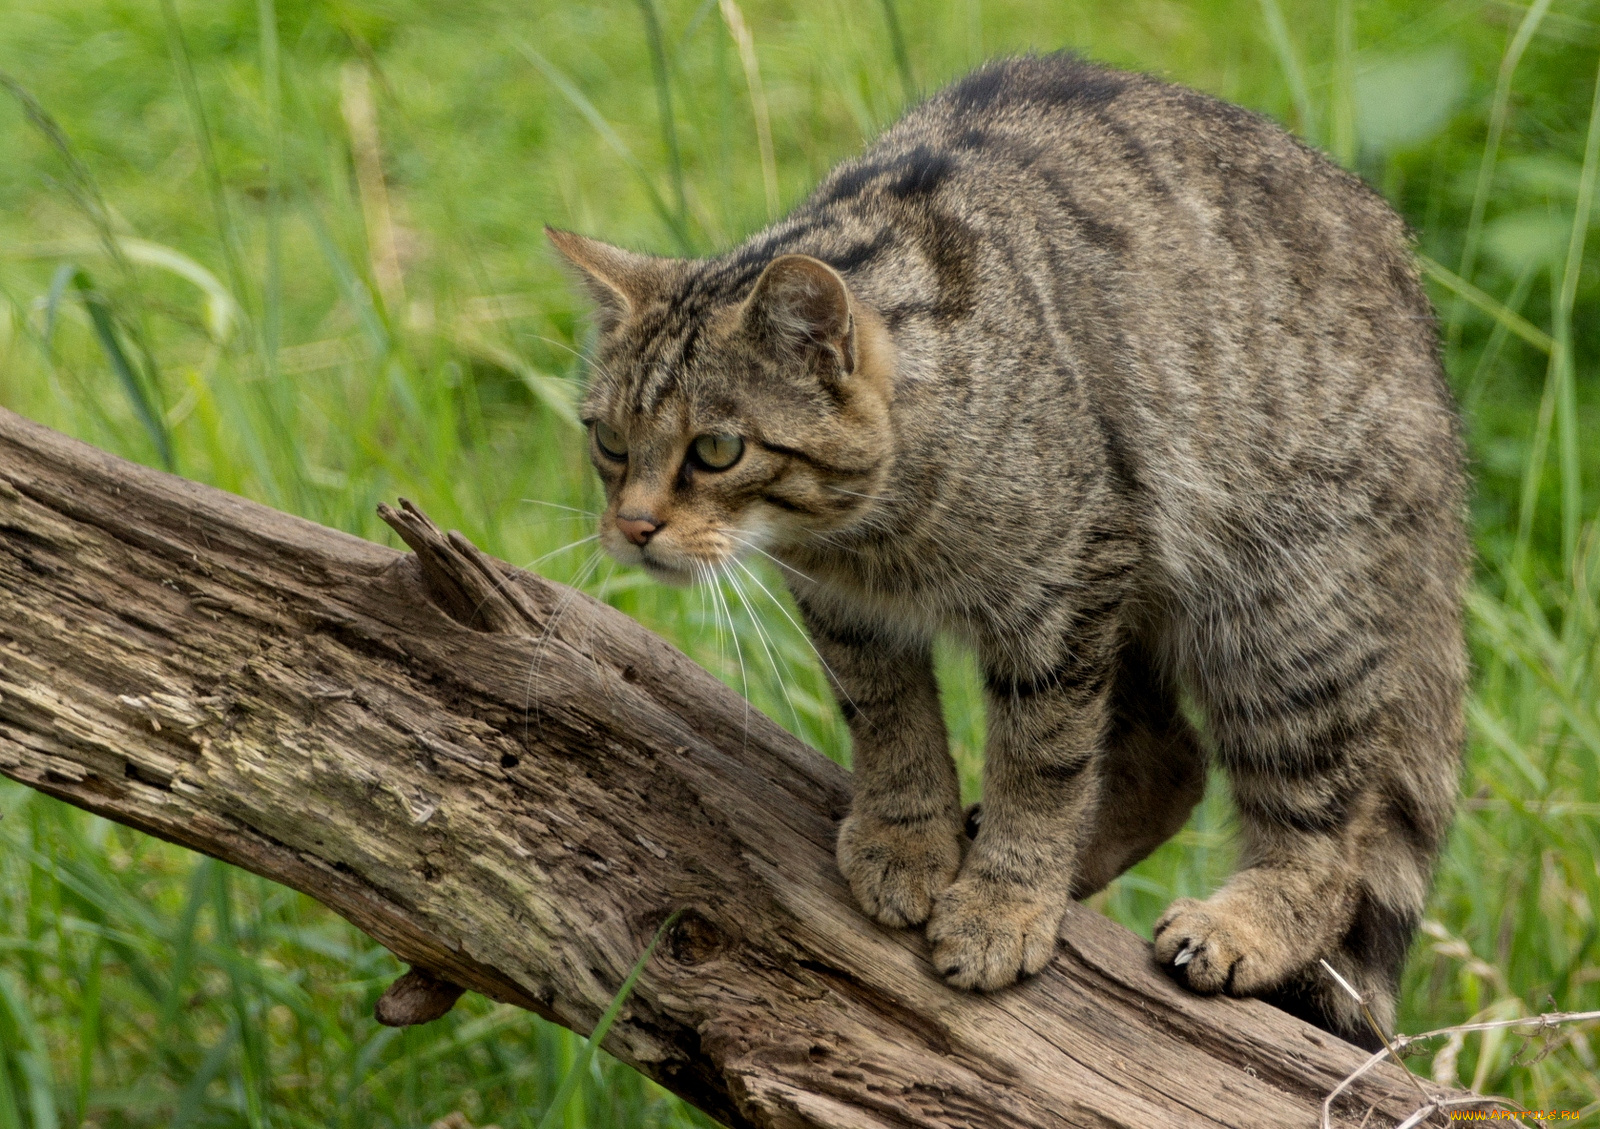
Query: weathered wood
511	785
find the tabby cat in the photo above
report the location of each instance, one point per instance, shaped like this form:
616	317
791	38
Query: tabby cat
1139	398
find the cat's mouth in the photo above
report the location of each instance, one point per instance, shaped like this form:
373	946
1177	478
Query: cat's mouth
681	567
683	558
675	574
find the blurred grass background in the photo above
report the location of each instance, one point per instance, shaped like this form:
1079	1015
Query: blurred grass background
292	248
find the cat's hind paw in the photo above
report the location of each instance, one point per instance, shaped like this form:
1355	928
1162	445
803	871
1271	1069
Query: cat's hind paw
895	870
1215	948
986	937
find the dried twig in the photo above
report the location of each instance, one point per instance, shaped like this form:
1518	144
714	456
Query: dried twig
1394	1047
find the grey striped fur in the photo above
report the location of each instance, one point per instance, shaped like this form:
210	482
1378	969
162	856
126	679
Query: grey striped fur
1140	398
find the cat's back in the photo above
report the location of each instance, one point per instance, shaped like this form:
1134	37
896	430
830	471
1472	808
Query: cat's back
1066	253
1117	195
1067	153
1239	314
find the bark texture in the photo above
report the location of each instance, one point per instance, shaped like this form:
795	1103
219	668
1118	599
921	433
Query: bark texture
513	799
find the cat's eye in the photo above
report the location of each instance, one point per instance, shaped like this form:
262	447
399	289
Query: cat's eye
610	440
717	452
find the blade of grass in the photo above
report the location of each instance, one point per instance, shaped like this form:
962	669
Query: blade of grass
10	1114
470	1033
83	188
1567	405
580	1066
272	287
1533	477
30	1054
85	193
1293	73
191	1102
700	13
361	1072
1503	314
277	409
222	309
182	943
1473	389
361	122
88	1030
254	1072
569	90
1342	134
134	383
1558	404
348	282
669	123
1498	114
745	42
897	43
228	234
59	281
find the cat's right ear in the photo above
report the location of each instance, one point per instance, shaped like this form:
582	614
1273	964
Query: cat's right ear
802	304
619	281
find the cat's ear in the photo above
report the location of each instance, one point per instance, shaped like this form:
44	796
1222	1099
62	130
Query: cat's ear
801	304
619	281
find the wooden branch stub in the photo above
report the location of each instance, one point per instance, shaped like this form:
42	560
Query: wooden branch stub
468	584
512	785
417	997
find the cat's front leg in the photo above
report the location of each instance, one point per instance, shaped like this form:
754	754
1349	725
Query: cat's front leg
999	919
902	841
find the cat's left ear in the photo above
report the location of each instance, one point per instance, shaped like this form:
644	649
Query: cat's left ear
620	281
801	304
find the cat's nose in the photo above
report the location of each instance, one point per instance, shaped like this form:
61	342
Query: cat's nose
637	529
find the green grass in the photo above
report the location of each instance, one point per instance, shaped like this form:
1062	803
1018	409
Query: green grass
293	250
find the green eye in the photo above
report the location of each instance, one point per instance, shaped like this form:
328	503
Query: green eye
718	452
610	440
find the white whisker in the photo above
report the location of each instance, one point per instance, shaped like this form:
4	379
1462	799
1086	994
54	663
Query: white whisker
744	677
766	645
751	545
588	360
549	630
603	589
505	580
558	506
855	493
804	634
570	545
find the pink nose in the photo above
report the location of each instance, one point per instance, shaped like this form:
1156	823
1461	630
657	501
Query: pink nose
637	529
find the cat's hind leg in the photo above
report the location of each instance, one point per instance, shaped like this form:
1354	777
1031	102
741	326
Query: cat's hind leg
1342	754
1153	773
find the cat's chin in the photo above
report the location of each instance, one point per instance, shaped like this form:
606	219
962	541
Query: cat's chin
667	574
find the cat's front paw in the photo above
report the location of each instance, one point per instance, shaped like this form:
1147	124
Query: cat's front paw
896	869
986	936
1215	947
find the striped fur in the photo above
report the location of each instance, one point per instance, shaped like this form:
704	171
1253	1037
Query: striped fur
1138	397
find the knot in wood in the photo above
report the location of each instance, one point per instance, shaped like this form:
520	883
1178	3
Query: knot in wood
695	940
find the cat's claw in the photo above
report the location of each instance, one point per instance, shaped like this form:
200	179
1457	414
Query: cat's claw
1217	946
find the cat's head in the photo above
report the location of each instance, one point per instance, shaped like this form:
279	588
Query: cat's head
723	425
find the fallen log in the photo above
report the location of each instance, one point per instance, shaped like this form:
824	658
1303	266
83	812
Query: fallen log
512	786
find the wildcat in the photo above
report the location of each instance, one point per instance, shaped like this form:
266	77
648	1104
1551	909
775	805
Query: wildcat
1139	398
